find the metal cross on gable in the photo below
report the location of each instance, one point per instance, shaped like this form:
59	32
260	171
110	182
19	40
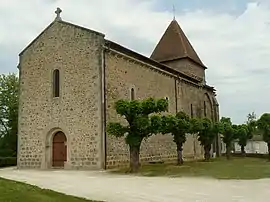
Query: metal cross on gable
173	12
58	12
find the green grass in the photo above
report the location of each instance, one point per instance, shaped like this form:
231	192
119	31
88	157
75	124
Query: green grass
221	168
11	191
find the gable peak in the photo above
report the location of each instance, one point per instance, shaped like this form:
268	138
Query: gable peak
174	45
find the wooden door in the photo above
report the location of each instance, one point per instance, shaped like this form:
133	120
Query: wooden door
59	153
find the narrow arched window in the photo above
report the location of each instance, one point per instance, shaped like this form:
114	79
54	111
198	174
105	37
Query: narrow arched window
167	98
191	110
132	94
204	106
56	83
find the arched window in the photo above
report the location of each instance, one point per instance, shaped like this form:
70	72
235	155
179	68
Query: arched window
132	94
204	108
167	98
56	83
191	110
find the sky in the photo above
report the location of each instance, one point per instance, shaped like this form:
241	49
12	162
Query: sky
232	38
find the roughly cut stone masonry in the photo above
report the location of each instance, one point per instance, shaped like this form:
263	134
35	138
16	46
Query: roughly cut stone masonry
77	112
122	74
77	53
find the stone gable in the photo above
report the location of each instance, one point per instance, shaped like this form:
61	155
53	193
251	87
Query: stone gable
77	53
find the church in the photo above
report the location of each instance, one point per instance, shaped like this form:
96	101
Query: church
71	76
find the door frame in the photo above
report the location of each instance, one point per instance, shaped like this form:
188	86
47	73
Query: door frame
63	146
48	157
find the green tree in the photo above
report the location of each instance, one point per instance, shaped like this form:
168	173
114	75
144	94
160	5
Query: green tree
228	131
251	125
178	126
9	102
207	132
142	120
264	126
246	131
243	136
251	117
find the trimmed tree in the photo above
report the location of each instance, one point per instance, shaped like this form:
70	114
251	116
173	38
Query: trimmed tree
243	137
141	121
228	132
264	126
207	131
178	126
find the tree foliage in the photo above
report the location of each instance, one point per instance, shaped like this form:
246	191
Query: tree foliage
207	132
264	126
229	134
243	136
178	126
251	125
142	121
9	101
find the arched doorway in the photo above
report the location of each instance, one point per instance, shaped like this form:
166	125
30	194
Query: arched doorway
59	150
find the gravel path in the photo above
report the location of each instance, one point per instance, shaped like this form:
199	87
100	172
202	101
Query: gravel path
114	188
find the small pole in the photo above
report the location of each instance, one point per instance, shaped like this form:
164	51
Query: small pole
173	12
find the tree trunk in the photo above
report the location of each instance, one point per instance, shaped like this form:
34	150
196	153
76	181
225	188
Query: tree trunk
207	155
243	152
268	145
180	160
134	158
228	151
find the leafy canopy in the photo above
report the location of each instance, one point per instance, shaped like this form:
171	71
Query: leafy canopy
243	134
177	125
206	133
264	126
9	102
143	119
228	130
251	125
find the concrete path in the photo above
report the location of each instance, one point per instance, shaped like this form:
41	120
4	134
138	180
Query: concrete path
114	188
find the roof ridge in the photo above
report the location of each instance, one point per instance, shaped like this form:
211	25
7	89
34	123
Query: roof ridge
181	37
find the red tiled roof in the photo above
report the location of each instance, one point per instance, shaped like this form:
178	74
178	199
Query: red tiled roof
174	45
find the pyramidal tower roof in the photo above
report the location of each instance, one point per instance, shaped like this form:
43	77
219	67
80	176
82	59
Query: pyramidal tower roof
174	45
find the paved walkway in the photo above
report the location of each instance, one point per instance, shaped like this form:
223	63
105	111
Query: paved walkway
115	188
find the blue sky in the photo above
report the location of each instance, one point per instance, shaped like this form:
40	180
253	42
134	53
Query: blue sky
230	36
235	7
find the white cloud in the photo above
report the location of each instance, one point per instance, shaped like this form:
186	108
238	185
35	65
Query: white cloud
235	49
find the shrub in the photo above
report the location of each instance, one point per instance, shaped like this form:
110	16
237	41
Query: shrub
7	153
8	161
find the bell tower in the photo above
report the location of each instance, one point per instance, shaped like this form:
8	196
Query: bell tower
175	50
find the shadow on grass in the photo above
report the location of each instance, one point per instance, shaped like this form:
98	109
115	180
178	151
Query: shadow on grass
219	168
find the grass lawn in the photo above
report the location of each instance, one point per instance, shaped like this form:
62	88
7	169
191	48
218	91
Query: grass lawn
11	191
220	168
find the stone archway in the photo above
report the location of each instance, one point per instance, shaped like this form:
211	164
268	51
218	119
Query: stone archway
208	107
59	150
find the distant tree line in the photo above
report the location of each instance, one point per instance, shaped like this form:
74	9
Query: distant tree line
9	102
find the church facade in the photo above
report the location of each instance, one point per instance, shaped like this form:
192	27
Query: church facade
70	78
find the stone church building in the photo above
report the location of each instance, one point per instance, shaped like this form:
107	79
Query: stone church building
70	78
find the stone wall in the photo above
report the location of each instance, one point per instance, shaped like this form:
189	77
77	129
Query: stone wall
77	53
124	73
188	67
